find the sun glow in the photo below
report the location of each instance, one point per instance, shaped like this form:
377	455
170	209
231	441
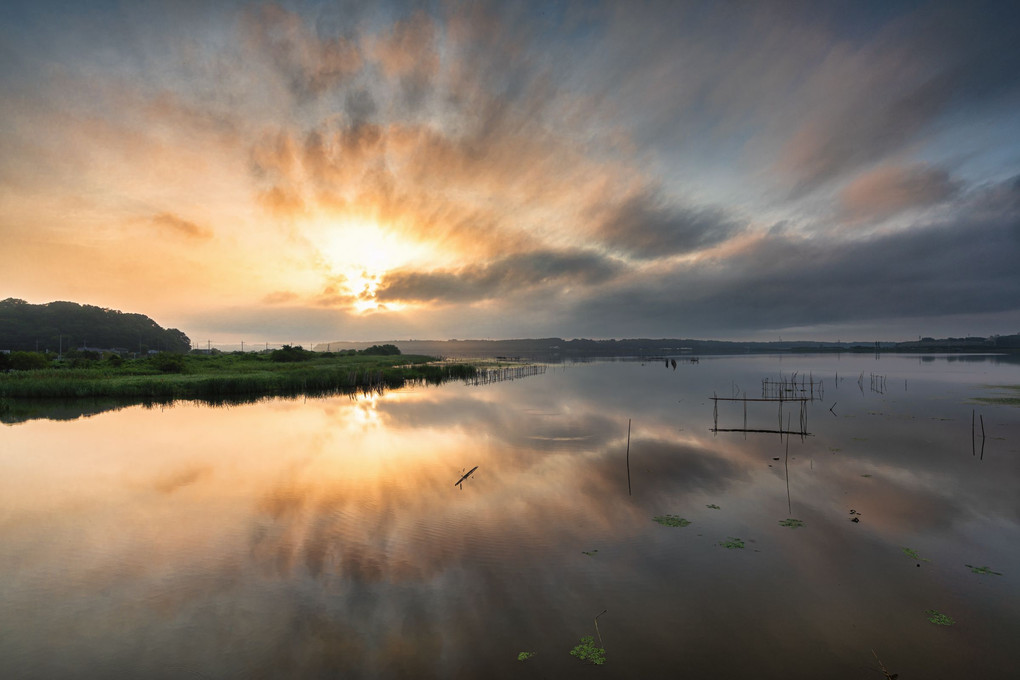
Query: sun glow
360	252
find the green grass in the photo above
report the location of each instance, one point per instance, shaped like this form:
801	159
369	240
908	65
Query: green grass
588	651
982	570
913	555
1005	401
938	618
671	520
227	377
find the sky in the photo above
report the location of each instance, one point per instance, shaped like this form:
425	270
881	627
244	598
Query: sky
322	171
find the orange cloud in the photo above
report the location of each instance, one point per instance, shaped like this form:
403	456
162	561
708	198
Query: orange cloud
173	224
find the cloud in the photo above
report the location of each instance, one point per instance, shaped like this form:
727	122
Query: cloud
888	190
171	223
280	297
867	102
508	276
962	264
308	63
647	226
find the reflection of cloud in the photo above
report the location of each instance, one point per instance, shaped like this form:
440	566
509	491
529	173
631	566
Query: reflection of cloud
177	480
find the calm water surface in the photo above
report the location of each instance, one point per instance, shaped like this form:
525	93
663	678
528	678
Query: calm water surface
326	537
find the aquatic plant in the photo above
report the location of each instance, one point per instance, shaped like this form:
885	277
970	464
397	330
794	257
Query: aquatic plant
216	378
671	520
913	554
792	523
589	554
588	651
732	543
982	570
938	618
712	506
524	656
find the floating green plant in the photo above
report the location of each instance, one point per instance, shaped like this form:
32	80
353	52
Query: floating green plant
792	523
938	618
913	554
982	570
732	543
713	506
671	520
588	651
865	475
590	553
524	656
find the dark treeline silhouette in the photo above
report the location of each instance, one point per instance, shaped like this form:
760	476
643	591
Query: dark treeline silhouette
63	326
558	349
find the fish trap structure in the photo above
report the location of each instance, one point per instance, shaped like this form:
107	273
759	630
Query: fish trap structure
800	402
789	388
485	376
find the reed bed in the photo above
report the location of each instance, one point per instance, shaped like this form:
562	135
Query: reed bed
213	381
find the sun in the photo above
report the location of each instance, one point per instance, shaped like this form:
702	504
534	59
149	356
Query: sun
362	252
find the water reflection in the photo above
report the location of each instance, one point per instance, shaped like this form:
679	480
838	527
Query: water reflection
326	537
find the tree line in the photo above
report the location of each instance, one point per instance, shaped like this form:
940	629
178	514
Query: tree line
63	326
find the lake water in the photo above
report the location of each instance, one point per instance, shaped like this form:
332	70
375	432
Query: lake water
316	538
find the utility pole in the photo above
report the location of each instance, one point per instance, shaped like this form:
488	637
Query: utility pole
242	347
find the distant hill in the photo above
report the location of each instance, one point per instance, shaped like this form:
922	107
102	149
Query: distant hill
67	325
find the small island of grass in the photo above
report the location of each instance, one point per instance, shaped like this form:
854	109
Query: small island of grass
226	376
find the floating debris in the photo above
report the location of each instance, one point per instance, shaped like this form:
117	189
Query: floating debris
938	618
466	475
524	656
671	520
982	570
712	506
865	475
589	554
732	543
587	651
792	523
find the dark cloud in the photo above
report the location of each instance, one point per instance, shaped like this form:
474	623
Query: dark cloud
647	226
965	264
508	276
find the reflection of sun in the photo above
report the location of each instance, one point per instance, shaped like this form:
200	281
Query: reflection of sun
363	252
